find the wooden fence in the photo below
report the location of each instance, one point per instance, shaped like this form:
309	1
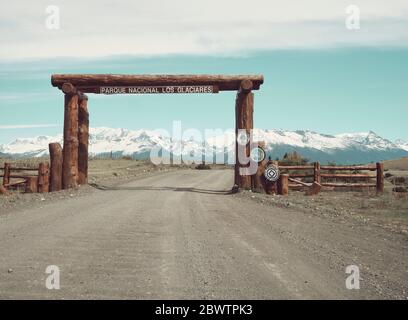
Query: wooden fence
30	178
332	177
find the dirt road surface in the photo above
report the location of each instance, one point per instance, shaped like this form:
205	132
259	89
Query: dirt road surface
182	235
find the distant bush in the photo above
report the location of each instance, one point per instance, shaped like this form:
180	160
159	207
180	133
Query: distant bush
293	159
203	166
126	158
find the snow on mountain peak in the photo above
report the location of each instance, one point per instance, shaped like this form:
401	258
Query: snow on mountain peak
129	142
402	144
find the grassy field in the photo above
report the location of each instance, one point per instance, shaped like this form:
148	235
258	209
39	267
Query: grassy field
396	165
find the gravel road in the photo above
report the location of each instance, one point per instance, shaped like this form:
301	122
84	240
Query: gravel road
182	235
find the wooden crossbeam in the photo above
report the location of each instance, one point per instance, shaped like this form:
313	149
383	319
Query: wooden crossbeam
90	83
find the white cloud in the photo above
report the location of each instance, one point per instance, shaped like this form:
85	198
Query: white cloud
105	27
27	126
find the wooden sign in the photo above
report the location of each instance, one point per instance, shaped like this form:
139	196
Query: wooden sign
158	89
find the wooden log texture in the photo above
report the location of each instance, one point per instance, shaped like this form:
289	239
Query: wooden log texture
258	179
68	88
345	175
314	189
283	184
70	151
6	174
3	190
305	184
380	177
31	185
316	172
296	186
301	175
296	167
43	177
56	167
244	109
349	168
21	176
271	187
85	82
348	185
83	140
15	183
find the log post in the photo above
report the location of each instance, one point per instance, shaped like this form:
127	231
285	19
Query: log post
314	189
56	167
83	139
3	190
70	151
244	109
316	172
6	176
31	184
258	179
380	177
283	184
271	187
43	177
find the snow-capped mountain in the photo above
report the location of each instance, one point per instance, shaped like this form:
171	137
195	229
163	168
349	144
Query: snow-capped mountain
402	144
348	148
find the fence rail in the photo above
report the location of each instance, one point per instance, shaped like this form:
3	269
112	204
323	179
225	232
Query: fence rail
324	176
32	182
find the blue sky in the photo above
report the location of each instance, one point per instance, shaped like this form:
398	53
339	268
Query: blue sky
318	75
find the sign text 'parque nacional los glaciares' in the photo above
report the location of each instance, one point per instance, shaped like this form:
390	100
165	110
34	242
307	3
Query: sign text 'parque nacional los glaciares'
158	89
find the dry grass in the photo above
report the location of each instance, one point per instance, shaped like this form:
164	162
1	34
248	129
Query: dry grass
396	165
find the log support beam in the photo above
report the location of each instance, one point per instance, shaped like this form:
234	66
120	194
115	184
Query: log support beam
244	110
83	139
93	82
70	151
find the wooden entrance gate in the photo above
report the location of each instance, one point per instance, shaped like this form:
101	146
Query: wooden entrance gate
76	116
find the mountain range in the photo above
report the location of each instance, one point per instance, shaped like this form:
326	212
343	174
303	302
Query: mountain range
347	148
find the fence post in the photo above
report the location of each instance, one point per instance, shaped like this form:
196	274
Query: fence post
258	178
271	187
6	176
316	172
283	184
43	177
56	166
31	184
380	177
3	190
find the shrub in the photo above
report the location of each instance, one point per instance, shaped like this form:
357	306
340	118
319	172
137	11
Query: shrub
203	166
